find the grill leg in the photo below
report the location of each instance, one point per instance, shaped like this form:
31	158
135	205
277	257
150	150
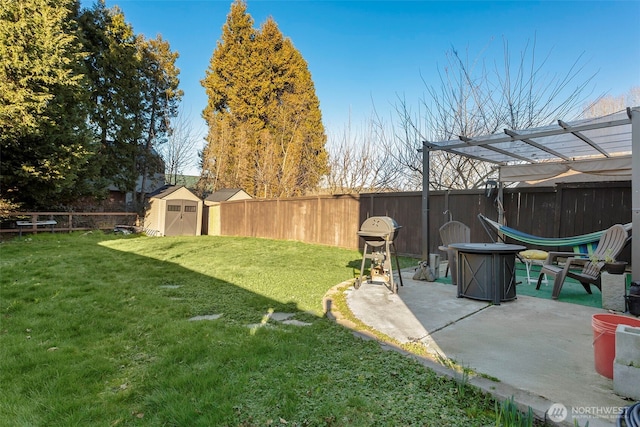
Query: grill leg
360	279
395	255
387	248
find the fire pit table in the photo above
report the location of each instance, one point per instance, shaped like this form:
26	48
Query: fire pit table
486	271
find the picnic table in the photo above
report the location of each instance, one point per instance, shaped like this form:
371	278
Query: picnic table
34	225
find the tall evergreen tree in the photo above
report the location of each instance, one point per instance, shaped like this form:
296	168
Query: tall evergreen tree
44	158
134	93
113	66
83	102
265	126
295	132
160	102
226	78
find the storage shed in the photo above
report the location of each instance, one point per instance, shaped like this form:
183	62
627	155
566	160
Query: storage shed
211	222
174	211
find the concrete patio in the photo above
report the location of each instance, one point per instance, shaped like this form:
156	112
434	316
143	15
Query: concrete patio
539	351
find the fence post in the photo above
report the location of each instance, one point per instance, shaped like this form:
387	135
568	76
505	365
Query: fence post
34	223
558	210
244	217
316	233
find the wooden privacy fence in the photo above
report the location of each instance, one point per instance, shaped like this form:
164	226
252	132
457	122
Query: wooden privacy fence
64	221
563	210
560	211
335	220
327	220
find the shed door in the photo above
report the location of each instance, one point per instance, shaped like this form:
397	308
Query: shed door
181	218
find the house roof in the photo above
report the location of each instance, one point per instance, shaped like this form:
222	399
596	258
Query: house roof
223	194
188	181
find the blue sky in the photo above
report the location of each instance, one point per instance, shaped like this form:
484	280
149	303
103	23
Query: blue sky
366	54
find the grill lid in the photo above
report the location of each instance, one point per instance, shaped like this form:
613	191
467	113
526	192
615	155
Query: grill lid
379	227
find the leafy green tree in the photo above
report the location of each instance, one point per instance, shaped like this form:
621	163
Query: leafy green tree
161	98
83	102
44	159
112	68
265	126
226	79
134	94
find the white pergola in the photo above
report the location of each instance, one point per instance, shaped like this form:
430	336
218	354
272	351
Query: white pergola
603	146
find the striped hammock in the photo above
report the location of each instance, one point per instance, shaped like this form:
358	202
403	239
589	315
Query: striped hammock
584	243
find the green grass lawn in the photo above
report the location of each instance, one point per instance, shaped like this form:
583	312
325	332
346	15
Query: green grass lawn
95	330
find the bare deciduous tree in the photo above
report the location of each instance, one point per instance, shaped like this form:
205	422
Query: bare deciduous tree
359	162
610	104
473	99
177	152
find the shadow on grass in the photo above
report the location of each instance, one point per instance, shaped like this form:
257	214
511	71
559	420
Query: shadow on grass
96	330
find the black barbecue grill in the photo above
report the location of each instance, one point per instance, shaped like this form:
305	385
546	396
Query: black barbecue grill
379	233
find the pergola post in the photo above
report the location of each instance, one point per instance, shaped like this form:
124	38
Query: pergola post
550	150
425	202
635	193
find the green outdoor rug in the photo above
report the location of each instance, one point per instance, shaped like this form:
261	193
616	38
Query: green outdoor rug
572	291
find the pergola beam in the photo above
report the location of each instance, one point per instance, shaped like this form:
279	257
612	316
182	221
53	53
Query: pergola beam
531	142
577	134
495	149
536	135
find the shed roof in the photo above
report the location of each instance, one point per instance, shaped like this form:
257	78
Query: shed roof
167	190
163	191
223	194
